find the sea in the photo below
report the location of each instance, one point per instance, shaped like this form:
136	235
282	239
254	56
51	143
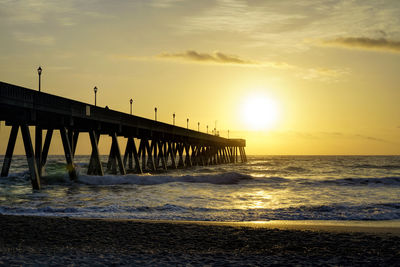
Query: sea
337	188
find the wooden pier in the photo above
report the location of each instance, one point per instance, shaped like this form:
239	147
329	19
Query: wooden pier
161	146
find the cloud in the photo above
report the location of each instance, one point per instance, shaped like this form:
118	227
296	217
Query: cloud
371	138
366	43
164	3
34	39
354	136
322	74
306	73
330	135
288	26
55	12
216	57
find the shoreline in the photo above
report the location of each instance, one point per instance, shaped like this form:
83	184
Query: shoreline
36	240
371	227
350	226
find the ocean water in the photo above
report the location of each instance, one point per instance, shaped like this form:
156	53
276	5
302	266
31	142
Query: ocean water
344	188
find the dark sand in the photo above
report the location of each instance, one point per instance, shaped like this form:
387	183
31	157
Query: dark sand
64	241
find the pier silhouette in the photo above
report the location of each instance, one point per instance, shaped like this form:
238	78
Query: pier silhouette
162	146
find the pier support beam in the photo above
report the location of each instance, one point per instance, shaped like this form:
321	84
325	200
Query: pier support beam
188	160
116	155
68	154
142	152
38	148
46	147
161	155
9	152
131	151
95	166
181	163
150	161
112	161
171	151
30	156
74	141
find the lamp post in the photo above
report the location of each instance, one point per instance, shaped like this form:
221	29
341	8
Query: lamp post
173	118
131	101
155	114
228	134
39	70
187	123
207	129
198	126
95	96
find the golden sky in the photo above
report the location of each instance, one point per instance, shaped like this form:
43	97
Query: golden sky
323	76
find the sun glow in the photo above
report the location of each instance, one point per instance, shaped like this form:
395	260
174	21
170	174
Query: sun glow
259	112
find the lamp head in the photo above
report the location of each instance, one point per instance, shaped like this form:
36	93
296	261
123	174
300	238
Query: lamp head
39	70
131	100
95	89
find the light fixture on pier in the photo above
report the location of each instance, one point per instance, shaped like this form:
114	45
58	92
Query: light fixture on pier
39	70
228	134
198	126
131	101
173	117
95	95
187	123
207	129
155	114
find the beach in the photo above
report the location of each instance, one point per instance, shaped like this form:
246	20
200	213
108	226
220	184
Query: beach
35	240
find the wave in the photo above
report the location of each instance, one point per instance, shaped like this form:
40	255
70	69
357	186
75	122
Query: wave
226	178
296	169
372	166
393	181
371	212
219	179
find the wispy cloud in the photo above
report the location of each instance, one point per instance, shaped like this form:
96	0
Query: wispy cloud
164	3
34	39
216	57
306	73
59	12
288	25
322	74
371	138
331	135
366	43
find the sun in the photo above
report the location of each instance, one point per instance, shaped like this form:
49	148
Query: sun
259	112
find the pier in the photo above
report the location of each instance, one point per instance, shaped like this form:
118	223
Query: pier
161	146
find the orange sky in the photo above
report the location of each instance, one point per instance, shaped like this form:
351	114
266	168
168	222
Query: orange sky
325	72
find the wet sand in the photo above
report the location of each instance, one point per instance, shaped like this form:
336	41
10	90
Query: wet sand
33	240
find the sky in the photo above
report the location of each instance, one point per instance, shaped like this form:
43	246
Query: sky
301	77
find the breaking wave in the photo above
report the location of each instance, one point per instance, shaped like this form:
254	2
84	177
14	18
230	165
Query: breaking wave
370	212
221	179
393	181
372	166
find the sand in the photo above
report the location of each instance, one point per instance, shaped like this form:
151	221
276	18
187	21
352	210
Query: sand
33	240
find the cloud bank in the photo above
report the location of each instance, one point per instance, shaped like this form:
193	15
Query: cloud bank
366	43
216	57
